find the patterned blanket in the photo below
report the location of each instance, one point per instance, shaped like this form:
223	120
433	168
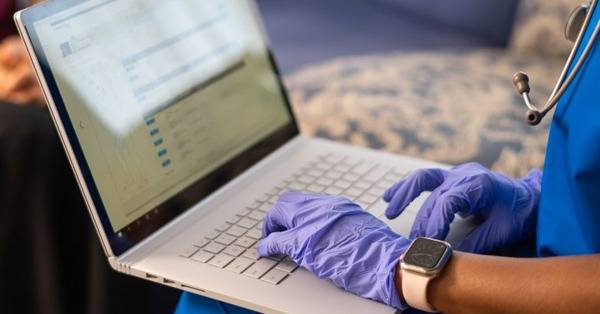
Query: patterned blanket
449	106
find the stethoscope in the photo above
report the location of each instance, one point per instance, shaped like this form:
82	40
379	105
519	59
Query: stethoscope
574	31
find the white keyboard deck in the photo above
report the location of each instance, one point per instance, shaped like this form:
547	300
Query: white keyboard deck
232	245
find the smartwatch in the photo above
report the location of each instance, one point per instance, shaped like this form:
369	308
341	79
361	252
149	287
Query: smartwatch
423	261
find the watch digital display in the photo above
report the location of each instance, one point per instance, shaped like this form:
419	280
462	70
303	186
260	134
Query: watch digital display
425	253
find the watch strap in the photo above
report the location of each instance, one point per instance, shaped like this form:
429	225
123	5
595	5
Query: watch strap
414	290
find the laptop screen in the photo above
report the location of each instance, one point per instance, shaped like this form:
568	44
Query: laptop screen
161	95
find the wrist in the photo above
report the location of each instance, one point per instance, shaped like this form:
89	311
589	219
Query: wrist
398	282
394	283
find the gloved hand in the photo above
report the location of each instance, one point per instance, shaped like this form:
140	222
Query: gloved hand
336	239
507	207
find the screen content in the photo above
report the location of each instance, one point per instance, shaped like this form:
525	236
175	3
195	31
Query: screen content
161	93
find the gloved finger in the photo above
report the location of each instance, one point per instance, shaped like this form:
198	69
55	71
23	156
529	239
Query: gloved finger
443	214
478	240
418	174
275	243
295	197
420	223
404	192
277	219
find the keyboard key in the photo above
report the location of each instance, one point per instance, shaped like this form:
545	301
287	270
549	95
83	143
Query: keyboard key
297	186
376	173
323	166
351	177
225	239
385	184
221	260
258	215
236	231
315	188
272	201
245	242
274	276
362	204
378	208
247	223
265	207
234	250
363	185
254	234
363	168
325	181
202	257
342	184
224	226
287	265
255	205
263	198
334	158
189	252
342	168
274	191
333	190
377	191
214	248
333	174
260	268
393	176
201	243
354	192
315	172
259	225
239	265
212	235
349	197
233	219
251	253
243	212
368	198
351	161
306	179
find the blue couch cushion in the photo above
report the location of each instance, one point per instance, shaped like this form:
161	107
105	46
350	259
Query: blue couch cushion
311	31
490	19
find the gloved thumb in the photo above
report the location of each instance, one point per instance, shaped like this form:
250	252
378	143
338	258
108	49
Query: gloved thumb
478	240
274	244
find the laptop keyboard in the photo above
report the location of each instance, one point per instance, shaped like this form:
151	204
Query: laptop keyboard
232	245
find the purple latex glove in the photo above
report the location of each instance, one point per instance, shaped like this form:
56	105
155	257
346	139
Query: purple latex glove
507	207
336	239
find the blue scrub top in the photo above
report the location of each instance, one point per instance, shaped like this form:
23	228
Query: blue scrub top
569	212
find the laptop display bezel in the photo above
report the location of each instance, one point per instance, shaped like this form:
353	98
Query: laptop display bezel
144	226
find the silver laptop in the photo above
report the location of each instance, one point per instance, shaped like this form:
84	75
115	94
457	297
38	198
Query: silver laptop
178	129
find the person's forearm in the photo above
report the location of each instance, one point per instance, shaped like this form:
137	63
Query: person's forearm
489	284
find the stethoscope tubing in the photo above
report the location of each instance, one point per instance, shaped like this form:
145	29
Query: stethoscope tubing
566	77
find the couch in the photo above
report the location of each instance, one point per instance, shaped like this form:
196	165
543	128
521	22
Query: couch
450	99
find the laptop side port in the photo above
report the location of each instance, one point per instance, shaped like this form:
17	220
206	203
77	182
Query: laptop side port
150	276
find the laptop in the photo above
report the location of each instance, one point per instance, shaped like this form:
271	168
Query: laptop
178	129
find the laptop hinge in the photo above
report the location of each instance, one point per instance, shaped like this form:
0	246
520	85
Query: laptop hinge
119	266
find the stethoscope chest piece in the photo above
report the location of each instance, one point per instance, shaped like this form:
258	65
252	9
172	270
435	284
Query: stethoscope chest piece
574	30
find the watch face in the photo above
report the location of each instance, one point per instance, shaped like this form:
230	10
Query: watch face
425	253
